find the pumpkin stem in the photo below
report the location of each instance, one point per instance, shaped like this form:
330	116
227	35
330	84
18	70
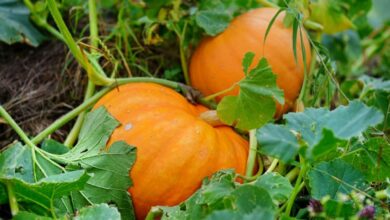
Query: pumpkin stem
211	118
299	106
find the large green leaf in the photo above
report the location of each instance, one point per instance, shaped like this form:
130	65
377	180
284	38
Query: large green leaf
109	169
279	187
331	178
101	211
219	197
16	162
324	130
47	189
15	26
255	104
372	159
278	141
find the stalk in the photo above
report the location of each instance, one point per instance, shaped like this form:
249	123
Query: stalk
213	96
65	32
272	166
13	203
252	153
94	40
42	21
298	186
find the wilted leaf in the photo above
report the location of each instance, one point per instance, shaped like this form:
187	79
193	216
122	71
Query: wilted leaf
330	15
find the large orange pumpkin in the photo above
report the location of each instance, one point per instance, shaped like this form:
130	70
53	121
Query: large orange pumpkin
175	148
216	63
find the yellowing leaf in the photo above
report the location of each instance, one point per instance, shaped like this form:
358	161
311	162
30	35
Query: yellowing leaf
330	15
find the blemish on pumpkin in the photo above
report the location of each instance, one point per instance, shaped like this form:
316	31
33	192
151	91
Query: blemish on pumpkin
128	126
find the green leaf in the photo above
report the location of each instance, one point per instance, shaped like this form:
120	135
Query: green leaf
213	22
23	215
110	179
350	121
94	134
257	213
3	194
220	196
342	123
247	61
255	104
328	143
47	189
101	211
109	169
339	209
248	197
278	141
15	26
279	187
372	159
331	178
54	147
16	162
375	84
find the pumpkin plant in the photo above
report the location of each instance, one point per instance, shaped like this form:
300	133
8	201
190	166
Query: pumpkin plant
216	63
175	145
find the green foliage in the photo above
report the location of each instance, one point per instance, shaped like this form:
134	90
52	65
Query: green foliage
87	175
320	131
334	177
219	197
255	104
276	185
101	211
15	26
372	159
343	153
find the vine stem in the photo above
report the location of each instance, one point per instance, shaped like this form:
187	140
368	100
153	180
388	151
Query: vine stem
297	187
292	174
213	96
89	102
42	21
272	166
250	164
27	141
65	32
94	38
13	203
15	126
183	57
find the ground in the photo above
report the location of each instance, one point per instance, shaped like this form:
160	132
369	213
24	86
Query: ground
38	85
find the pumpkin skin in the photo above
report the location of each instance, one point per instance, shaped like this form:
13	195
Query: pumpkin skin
217	62
176	150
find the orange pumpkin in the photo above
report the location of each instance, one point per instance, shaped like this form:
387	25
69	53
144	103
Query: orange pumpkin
175	148
217	62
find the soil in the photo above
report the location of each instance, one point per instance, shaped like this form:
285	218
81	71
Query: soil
38	85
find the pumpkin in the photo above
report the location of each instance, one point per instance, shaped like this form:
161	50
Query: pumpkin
216	63
176	149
